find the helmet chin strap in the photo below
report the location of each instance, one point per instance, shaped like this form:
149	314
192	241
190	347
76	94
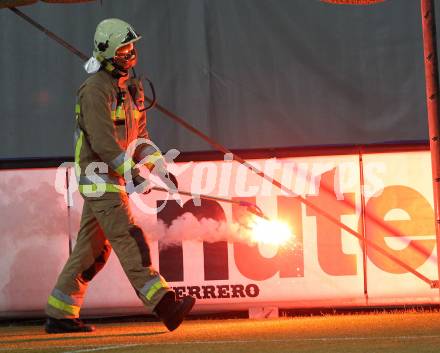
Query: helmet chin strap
112	69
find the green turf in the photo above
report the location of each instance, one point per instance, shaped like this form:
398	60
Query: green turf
408	332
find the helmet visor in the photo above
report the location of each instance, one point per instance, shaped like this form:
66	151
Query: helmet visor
131	35
126	56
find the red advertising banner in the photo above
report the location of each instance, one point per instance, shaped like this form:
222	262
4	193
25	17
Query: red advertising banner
227	257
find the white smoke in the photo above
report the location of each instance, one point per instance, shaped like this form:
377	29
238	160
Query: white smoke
188	227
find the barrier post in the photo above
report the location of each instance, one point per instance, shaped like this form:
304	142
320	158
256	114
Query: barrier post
432	104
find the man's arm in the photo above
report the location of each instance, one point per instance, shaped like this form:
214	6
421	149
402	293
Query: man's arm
152	157
146	151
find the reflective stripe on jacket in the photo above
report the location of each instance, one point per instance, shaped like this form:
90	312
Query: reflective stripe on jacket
104	130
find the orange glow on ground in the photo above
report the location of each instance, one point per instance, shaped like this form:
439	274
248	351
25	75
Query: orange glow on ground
273	232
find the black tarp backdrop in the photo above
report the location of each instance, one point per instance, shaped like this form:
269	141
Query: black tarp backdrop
249	73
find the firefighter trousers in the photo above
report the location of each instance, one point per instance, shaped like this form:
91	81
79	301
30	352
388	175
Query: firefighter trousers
106	223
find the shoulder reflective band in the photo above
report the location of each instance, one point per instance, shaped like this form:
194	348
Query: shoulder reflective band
77	109
60	305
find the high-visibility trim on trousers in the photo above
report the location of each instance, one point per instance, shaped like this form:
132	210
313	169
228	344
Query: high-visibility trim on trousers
106	222
153	286
62	304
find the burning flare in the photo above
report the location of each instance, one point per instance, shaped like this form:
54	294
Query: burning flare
272	232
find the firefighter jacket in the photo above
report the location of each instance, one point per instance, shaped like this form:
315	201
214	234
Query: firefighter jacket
108	120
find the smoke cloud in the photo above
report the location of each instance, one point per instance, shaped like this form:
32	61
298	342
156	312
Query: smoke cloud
188	227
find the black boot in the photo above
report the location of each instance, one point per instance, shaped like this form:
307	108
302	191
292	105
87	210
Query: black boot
66	326
172	311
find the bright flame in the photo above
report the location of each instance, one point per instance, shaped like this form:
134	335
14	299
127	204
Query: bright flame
272	232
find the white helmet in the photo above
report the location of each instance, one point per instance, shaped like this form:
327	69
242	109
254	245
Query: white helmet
110	35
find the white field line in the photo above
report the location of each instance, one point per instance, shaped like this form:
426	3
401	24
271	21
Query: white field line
315	339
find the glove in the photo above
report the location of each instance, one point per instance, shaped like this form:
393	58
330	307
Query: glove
160	170
172	179
138	185
166	177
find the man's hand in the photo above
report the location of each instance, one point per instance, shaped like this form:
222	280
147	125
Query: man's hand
138	185
171	180
166	177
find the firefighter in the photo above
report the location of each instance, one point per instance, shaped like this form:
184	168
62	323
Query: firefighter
109	118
